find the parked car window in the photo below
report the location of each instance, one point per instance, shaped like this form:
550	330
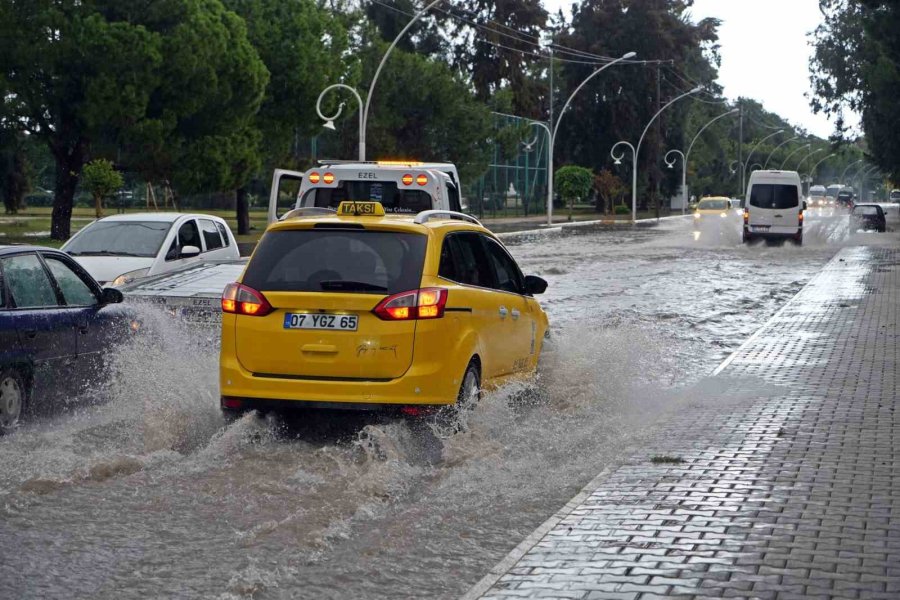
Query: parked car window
470	260
226	239
28	282
74	290
337	260
188	235
507	273
867	210
123	238
211	234
774	196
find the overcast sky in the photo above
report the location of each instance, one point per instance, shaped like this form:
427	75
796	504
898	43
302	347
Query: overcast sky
765	53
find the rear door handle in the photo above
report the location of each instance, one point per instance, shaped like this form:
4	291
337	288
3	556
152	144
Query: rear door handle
503	312
30	333
83	329
515	313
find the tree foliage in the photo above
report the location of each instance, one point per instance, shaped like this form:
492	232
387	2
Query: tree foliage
574	183
171	85
609	189
857	66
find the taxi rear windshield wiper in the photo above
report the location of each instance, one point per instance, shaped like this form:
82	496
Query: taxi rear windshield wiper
351	286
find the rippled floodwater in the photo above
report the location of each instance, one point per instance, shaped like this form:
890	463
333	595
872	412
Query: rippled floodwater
149	495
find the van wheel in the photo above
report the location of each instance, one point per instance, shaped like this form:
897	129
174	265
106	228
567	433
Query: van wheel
746	238
798	241
13	397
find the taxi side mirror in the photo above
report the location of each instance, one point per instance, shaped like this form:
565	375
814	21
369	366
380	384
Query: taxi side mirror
535	285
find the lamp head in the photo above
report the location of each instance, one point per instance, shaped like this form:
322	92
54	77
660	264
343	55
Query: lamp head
618	162
699	88
329	124
670	165
628	55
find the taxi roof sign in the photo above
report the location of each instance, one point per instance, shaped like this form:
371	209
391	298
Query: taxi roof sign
360	209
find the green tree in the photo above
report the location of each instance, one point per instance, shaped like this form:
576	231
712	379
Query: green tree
856	66
101	179
159	81
574	183
303	47
609	189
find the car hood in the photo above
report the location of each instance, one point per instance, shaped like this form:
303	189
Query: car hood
106	268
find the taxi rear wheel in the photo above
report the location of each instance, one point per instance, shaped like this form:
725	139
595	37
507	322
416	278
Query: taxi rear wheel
470	388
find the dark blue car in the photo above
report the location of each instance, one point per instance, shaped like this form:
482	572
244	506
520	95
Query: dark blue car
56	324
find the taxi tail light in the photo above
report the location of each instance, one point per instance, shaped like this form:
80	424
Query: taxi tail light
232	402
426	303
422	179
242	300
314	178
407	179
328	178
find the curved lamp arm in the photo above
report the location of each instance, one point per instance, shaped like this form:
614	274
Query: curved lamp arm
774	150
671	163
618	159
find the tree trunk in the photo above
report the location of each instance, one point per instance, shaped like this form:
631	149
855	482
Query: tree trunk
243	210
98	206
68	168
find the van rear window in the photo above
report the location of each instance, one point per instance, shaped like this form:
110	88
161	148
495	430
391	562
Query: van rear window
774	196
324	260
393	199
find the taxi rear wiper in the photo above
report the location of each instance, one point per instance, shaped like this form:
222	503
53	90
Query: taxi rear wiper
348	286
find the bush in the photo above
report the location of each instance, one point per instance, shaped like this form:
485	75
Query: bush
621	209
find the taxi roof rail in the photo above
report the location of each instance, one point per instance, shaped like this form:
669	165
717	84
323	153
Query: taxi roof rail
425	215
306	211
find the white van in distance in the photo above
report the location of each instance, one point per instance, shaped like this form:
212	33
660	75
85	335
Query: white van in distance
773	208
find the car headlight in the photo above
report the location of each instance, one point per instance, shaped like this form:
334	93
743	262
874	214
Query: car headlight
129	277
696	215
723	215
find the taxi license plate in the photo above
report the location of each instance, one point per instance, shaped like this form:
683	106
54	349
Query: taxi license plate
321	321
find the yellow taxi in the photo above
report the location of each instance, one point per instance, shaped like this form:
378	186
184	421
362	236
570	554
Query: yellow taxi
354	309
713	210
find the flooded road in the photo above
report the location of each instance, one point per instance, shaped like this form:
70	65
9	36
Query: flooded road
148	494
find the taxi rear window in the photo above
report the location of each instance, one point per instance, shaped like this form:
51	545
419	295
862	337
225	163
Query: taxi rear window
337	260
393	199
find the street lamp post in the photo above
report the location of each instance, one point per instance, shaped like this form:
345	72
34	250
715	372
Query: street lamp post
546	128
683	175
760	143
686	156
774	150
365	116
795	151
562	113
812	172
329	121
807	157
637	150
847	168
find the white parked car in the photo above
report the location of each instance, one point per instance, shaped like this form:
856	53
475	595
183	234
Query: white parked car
119	249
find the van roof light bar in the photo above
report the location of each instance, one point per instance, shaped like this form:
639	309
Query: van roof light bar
426	215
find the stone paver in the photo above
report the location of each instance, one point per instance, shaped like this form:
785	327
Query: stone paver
788	485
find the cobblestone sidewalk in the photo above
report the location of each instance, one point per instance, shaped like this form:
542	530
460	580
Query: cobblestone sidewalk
789	487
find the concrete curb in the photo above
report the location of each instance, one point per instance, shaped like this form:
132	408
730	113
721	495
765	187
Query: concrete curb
500	569
509	561
558	228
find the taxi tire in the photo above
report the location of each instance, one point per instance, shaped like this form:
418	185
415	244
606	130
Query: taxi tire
470	387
